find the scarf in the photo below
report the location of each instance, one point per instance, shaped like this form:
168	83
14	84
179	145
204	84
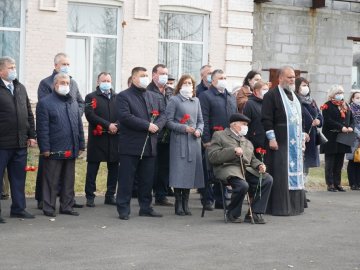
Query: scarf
341	106
305	100
356	112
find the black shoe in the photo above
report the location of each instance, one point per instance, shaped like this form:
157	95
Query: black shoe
110	200
90	202
4	197
126	217
208	207
163	202
340	188
149	214
331	189
49	214
258	219
76	205
40	205
233	219
218	205
22	214
170	192
69	212
2	220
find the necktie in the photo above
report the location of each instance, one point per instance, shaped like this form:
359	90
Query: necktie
11	88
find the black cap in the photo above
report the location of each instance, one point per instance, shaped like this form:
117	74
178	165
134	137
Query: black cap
239	117
171	77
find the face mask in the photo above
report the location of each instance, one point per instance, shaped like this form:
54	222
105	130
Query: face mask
339	97
221	85
144	82
357	101
244	130
105	86
163	79
12	75
186	91
63	90
304	90
263	92
208	78
65	69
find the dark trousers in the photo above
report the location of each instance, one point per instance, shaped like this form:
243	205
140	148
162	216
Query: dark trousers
207	194
129	167
14	160
91	173
161	177
333	166
239	189
38	187
353	170
62	170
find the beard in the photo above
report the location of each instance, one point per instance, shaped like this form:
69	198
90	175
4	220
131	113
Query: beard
289	87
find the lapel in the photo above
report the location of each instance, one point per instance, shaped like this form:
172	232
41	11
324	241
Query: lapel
229	133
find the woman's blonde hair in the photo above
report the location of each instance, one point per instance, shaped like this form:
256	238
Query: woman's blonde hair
335	89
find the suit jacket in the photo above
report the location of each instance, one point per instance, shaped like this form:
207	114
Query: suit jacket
222	155
134	112
103	147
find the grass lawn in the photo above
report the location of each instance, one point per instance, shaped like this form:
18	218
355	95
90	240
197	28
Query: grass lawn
316	178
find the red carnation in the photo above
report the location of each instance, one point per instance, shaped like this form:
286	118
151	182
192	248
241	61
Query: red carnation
218	128
263	152
258	150
67	154
94	103
155	113
95	132
324	107
27	168
185	118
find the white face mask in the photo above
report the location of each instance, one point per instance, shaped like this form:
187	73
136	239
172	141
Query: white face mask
357	101
263	92
163	79
144	82
244	130
221	85
186	91
63	90
304	90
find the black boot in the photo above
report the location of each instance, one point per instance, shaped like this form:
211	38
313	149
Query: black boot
178	202
1	219
185	201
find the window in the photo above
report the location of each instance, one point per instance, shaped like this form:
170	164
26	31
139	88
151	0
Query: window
183	43
93	44
356	66
11	14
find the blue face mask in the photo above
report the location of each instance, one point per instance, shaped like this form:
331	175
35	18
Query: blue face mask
163	79
208	78
65	69
339	97
12	75
105	86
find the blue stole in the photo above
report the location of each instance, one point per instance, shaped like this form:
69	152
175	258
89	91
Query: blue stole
294	141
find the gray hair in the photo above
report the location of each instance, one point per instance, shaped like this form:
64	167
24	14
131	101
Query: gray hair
59	76
283	68
58	56
215	72
204	67
334	89
4	60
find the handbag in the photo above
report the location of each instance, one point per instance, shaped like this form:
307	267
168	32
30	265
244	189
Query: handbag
320	138
346	138
357	155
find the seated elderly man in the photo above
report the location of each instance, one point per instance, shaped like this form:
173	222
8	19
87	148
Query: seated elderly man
233	160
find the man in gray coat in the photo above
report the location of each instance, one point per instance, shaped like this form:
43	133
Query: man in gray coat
233	160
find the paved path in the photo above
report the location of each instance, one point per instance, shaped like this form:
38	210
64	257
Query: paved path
326	237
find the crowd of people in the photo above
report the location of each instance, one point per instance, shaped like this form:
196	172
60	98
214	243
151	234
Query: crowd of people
159	138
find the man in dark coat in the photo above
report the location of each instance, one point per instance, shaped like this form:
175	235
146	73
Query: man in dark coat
217	105
46	87
17	132
100	111
61	140
161	177
205	73
141	116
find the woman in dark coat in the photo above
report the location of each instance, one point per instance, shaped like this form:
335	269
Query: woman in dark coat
353	168
337	119
311	120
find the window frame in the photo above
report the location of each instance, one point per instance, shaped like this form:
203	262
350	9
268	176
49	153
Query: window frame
204	42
